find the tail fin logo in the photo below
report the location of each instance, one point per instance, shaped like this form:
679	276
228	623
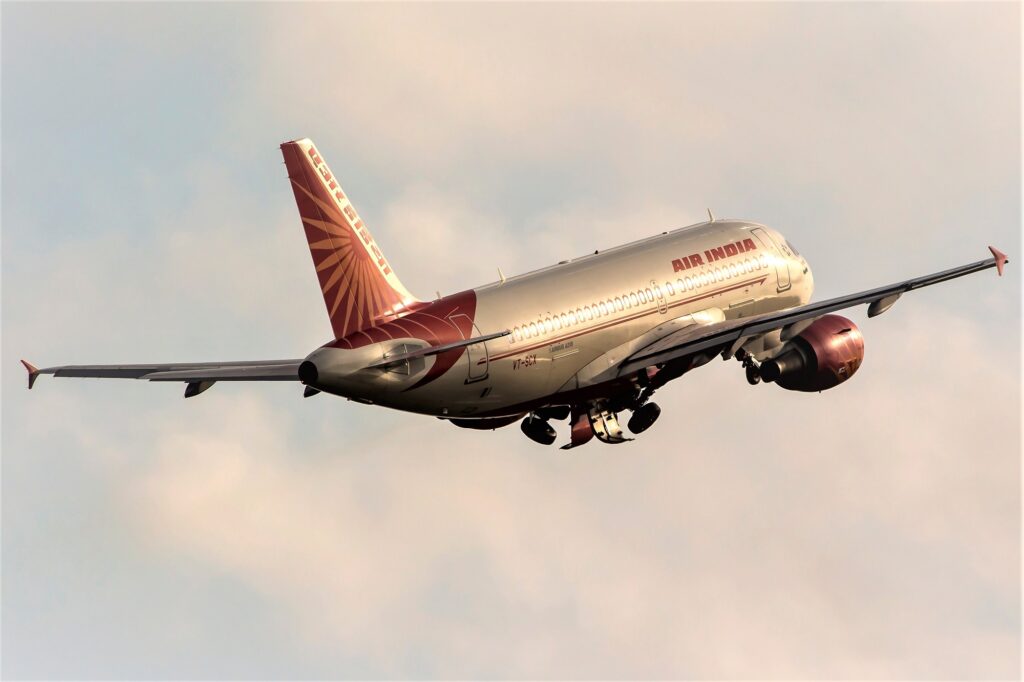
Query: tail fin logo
355	222
359	286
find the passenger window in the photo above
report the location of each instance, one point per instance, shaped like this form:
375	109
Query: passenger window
633	298
548	326
650	295
516	334
565	319
618	302
586	311
533	329
604	309
555	321
671	289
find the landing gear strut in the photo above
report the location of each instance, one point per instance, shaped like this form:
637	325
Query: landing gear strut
594	420
606	426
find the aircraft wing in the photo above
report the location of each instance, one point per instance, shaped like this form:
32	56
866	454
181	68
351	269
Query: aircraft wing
731	334
198	375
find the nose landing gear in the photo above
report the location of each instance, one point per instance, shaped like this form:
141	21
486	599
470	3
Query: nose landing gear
753	374
753	371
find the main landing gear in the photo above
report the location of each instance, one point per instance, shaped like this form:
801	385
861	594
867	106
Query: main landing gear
644	417
538	430
589	421
598	420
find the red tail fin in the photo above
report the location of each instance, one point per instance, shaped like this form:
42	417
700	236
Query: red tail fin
359	286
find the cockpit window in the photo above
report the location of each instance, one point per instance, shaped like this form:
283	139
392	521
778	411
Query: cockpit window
792	248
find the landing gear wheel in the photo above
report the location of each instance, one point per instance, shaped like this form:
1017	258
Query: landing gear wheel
538	430
643	417
753	375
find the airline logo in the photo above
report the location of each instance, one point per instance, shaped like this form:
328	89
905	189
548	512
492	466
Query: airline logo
711	255
359	286
348	210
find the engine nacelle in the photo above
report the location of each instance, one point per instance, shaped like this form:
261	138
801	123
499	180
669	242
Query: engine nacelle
824	355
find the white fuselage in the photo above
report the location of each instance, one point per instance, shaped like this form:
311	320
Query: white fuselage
572	321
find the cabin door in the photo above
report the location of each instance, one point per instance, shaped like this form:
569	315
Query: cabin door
659	297
781	262
476	354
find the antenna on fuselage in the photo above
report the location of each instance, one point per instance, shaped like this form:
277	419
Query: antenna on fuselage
501	275
711	217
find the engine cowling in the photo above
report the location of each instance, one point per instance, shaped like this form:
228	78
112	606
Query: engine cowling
822	356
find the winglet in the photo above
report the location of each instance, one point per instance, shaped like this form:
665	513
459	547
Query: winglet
33	372
1001	259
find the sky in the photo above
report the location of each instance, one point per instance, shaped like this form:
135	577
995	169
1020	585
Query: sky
870	532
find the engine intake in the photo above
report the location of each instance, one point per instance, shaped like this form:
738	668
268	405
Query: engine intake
821	357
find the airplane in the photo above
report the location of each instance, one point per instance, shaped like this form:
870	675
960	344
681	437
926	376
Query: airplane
583	340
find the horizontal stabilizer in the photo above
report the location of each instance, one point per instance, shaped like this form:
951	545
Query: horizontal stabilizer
1000	259
192	373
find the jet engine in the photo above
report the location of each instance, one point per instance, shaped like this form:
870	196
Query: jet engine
824	355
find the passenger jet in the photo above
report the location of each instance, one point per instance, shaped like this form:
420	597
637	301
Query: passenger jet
584	340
